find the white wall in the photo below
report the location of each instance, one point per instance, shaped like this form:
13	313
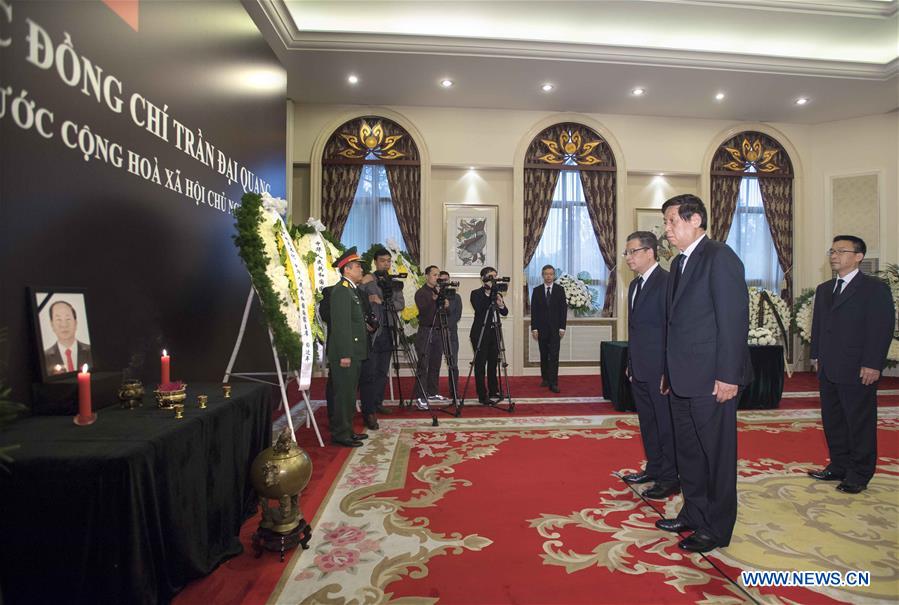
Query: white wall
680	148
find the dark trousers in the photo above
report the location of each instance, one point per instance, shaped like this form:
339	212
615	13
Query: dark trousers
656	430
849	415
454	349
374	373
705	436
344	383
549	342
430	357
485	363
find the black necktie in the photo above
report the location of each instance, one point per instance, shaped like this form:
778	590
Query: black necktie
837	291
677	265
637	292
548	290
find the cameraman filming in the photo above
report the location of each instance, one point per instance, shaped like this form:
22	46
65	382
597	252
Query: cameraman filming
380	289
453	315
488	353
428	341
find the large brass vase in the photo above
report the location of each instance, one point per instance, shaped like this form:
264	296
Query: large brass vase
280	473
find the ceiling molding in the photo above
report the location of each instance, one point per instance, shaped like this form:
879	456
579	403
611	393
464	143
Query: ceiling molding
874	9
293	39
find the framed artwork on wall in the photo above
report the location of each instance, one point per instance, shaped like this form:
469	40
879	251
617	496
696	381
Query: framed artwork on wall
63	341
652	220
470	239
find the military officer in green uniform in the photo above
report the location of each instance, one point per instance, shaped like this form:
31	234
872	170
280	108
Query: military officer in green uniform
347	347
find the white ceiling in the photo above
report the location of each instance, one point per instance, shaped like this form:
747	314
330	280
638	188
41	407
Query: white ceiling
762	54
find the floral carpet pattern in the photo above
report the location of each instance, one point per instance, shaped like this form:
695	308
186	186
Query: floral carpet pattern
518	509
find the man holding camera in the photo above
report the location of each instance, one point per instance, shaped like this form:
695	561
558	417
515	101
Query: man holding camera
483	328
453	315
549	312
428	341
380	289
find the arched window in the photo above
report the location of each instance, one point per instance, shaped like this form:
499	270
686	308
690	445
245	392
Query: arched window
569	209
371	185
752	207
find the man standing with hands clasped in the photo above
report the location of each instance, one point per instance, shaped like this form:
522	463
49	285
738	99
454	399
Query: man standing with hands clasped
646	364
707	363
549	312
852	326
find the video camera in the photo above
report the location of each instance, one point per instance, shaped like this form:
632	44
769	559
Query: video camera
497	284
446	288
389	282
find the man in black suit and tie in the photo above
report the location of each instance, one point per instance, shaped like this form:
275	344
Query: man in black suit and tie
646	364
67	354
483	337
707	361
549	312
852	327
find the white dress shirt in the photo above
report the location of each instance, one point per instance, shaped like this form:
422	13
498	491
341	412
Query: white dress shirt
686	253
645	277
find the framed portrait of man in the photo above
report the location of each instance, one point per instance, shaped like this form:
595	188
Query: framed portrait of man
61	327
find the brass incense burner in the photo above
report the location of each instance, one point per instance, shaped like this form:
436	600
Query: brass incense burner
167	399
131	394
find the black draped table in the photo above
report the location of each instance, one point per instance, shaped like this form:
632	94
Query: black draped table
131	508
763	393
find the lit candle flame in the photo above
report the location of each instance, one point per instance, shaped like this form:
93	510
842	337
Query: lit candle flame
84	368
164	354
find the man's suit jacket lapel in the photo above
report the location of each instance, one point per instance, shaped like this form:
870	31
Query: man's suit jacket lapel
850	290
630	297
692	264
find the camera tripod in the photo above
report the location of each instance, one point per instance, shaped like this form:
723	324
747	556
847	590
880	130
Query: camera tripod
454	407
505	389
401	347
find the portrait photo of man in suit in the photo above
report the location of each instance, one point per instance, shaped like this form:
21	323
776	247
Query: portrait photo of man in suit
707	363
852	325
66	344
646	364
549	312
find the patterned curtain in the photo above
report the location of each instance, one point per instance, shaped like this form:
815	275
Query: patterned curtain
396	150
339	184
539	186
777	198
723	205
405	190
599	191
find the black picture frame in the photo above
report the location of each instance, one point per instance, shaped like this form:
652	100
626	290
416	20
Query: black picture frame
69	306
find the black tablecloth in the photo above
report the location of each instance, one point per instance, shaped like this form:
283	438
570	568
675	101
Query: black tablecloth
131	508
763	393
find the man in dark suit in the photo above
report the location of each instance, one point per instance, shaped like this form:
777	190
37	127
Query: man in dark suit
707	363
347	348
852	327
453	316
549	312
646	364
487	350
67	354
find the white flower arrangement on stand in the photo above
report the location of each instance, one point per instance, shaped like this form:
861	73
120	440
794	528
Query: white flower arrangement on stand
803	312
761	315
761	336
577	294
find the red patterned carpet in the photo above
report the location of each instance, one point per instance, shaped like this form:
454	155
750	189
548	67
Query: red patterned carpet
524	508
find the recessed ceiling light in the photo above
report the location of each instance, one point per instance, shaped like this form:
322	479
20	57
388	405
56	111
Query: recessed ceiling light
719	96
471	167
661	174
638	92
801	100
446	83
547	87
353	79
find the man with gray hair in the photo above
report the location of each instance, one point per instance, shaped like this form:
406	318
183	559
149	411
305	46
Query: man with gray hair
646	364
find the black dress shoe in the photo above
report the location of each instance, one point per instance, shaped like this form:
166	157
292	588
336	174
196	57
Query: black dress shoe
698	542
484	401
554	388
851	488
370	421
347	442
381	409
543	383
660	491
359	436
675	525
634	478
825	475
